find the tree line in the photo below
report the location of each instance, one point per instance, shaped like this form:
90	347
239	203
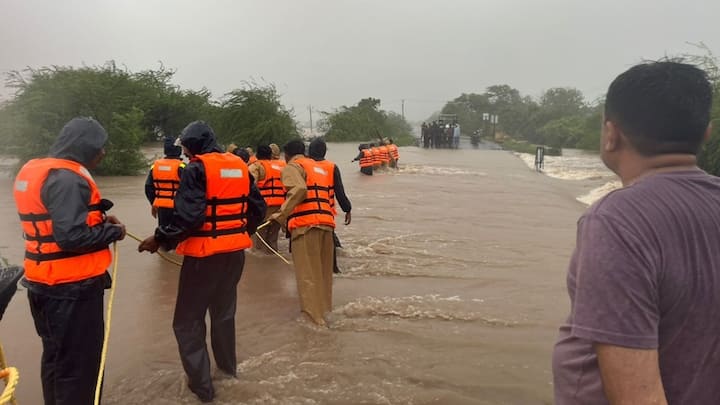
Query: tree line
141	107
365	121
562	118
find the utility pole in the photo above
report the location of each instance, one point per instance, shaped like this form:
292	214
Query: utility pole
403	108
311	126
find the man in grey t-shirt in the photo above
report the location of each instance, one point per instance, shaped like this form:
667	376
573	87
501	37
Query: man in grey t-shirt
644	281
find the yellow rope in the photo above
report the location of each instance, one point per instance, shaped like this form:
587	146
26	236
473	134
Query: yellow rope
270	247
163	255
11	377
103	356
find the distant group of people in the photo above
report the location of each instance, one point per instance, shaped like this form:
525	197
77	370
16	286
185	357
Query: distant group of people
438	135
374	157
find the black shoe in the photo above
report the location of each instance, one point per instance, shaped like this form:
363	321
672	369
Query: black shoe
205	395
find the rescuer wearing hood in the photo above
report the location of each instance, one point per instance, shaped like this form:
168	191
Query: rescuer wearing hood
217	208
67	235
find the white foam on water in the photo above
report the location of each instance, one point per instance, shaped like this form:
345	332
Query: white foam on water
599	192
574	166
415	307
437	170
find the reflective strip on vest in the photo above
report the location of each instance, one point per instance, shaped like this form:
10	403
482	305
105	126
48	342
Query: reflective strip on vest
45	262
271	187
227	189
166	181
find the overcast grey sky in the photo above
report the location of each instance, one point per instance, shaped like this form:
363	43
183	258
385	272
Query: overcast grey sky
328	53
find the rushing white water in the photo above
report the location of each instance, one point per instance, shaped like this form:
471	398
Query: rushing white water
577	165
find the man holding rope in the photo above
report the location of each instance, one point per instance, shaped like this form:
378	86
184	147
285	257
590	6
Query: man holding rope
67	235
217	208
308	216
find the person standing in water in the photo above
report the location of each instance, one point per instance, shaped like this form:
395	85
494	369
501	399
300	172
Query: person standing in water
163	181
317	151
366	159
308	216
217	209
67	234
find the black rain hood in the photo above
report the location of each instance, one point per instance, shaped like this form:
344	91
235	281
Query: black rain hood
199	138
80	140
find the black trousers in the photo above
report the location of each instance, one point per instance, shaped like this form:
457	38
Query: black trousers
207	284
72	333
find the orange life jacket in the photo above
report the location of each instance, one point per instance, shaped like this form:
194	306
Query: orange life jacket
315	209
45	262
329	167
271	188
227	188
252	160
394	152
367	159
166	180
384	154
377	159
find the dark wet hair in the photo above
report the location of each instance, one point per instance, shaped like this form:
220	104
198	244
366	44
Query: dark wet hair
263	152
294	147
243	153
169	147
317	149
661	107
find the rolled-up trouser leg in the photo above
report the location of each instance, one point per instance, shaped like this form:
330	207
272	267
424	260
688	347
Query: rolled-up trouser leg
72	334
223	304
195	290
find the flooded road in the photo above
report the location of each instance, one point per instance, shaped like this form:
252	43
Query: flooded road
452	290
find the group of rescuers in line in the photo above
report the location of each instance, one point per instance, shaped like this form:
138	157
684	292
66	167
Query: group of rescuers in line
208	211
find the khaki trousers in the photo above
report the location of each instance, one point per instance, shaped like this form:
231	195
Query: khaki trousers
313	252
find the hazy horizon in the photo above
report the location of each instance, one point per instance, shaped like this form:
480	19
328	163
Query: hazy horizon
333	53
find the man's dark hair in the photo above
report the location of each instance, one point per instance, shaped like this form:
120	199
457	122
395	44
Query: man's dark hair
317	149
242	153
661	107
263	152
294	147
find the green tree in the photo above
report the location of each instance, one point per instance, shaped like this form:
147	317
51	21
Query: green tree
47	98
253	115
134	108
365	121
